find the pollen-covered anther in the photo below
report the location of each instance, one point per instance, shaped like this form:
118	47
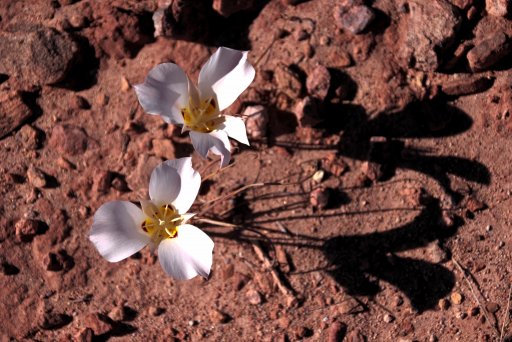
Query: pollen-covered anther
204	118
161	223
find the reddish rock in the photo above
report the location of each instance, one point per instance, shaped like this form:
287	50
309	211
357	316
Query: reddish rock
336	332
13	112
254	297
30	137
429	27
68	139
218	317
98	323
473	204
334	164
26	229
56	53
102	181
374	171
256	121
84	335
155	311
498	8
229	7
36	177
319	82
319	198
288	82
306	111
492	307
489	52
466	85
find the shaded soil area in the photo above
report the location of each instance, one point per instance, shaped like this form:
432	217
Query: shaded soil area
372	205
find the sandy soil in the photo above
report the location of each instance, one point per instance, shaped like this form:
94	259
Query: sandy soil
380	169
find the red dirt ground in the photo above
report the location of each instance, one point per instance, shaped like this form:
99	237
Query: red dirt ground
385	210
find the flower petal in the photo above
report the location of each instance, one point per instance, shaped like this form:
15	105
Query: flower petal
190	183
165	92
188	254
217	142
235	128
116	231
226	74
164	184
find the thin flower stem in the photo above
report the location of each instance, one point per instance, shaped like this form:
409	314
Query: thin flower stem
506	315
213	174
216	223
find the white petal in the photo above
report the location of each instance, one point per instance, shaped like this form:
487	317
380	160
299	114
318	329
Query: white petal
217	142
235	128
190	183
226	74
164	92
164	184
116	230
187	255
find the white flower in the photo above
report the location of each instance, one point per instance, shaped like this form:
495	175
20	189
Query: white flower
168	92
121	229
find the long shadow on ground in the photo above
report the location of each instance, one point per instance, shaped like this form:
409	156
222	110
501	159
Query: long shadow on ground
361	261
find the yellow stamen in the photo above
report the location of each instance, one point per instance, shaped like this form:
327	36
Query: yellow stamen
161	223
204	117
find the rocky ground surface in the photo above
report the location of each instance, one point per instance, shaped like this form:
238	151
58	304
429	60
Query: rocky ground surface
380	129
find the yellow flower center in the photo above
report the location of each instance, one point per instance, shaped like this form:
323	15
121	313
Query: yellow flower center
161	223
204	117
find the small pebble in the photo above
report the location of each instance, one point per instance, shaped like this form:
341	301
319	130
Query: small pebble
460	315
118	313
336	332
125	85
388	318
254	297
218	316
155	311
26	229
324	40
456	298
492	307
318	176
36	177
443	304
319	198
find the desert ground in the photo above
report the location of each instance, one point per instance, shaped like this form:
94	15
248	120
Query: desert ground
373	203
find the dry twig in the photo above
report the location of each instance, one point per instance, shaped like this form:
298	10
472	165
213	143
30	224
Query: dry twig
287	292
506	315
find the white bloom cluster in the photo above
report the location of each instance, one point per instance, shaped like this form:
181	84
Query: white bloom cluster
121	228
